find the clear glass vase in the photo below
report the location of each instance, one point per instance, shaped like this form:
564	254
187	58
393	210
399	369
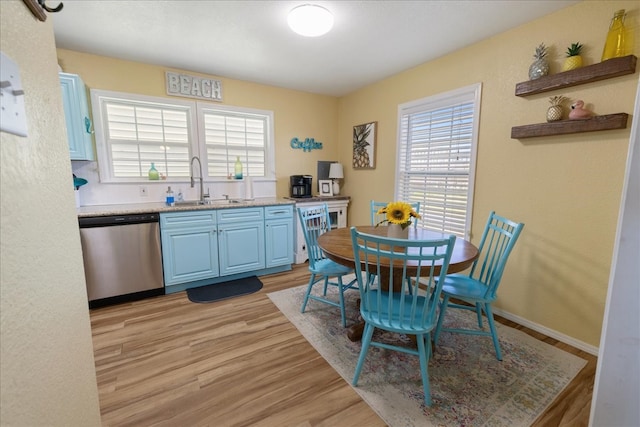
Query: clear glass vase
397	232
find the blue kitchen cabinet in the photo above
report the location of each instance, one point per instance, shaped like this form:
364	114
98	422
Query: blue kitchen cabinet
241	240
278	235
205	247
189	247
76	115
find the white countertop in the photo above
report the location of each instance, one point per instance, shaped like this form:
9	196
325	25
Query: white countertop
136	208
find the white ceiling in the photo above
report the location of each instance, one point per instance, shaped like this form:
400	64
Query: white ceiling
250	40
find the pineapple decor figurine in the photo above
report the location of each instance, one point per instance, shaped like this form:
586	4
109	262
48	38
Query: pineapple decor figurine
573	59
554	113
539	67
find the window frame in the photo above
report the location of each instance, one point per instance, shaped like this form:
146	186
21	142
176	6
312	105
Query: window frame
196	144
269	149
468	94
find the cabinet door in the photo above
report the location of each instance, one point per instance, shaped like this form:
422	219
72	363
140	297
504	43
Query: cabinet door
337	216
189	246
279	238
189	255
241	247
279	242
76	114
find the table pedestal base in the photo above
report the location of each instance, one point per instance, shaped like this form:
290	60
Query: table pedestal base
354	332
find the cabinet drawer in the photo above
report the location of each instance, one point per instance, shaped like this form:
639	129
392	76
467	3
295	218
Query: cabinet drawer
277	212
187	219
247	215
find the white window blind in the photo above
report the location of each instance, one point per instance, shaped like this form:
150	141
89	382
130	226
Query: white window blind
436	158
133	132
229	135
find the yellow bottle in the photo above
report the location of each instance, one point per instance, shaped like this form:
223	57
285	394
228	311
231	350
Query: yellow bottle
614	47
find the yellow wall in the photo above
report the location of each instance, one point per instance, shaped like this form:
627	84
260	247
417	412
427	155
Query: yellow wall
296	114
566	189
46	366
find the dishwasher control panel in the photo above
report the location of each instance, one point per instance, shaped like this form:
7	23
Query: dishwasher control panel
105	221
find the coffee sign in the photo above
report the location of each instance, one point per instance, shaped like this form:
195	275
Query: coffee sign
193	87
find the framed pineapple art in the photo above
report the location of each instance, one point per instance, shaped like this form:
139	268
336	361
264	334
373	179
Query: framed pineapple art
364	146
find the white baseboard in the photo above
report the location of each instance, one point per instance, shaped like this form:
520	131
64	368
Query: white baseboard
548	332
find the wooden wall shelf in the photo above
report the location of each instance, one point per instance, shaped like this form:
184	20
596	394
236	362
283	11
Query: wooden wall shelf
591	73
606	122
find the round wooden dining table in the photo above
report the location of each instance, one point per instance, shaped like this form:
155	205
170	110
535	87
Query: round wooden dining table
336	244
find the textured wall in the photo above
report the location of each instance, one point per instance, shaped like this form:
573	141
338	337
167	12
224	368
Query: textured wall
47	370
566	189
296	114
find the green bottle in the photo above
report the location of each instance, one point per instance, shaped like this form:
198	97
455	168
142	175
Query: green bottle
238	168
153	173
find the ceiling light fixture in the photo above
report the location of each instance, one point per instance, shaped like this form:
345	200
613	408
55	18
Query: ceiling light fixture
310	20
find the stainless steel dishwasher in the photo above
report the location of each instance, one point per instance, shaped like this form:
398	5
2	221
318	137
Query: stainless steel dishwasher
122	257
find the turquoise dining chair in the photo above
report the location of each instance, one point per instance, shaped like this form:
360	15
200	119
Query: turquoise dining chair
480	286
314	222
376	206
404	301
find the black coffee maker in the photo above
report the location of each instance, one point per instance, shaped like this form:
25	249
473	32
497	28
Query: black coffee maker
300	185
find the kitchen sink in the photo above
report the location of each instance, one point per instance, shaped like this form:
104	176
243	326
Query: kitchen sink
223	201
190	203
207	202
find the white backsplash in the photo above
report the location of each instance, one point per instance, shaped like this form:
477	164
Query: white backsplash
96	193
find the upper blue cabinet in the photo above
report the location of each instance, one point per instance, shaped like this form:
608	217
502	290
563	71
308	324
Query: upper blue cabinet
76	114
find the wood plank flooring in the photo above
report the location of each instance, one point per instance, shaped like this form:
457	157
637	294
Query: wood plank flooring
166	361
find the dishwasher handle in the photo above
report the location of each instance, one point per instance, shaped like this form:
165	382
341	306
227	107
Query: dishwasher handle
115	220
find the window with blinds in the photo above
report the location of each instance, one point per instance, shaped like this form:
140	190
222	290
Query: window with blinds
133	131
230	135
436	158
141	134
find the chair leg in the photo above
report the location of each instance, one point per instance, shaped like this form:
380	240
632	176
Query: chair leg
306	295
341	296
443	308
479	314
494	332
371	278
326	283
424	362
366	341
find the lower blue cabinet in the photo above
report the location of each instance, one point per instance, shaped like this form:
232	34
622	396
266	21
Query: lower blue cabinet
278	235
224	244
241	240
189	246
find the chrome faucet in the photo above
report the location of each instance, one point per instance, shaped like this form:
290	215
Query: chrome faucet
202	195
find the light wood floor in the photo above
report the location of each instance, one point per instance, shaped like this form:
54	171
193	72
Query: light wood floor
166	361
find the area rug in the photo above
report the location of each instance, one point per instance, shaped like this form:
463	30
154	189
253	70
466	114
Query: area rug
224	290
469	386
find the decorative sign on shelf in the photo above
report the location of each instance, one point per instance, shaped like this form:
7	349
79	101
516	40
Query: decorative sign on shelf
307	145
193	87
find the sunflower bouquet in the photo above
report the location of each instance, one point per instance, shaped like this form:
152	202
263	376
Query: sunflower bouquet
398	213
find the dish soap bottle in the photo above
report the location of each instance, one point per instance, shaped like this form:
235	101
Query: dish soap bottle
614	47
153	173
170	199
238	168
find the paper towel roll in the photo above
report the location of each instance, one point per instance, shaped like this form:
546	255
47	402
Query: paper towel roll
248	188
